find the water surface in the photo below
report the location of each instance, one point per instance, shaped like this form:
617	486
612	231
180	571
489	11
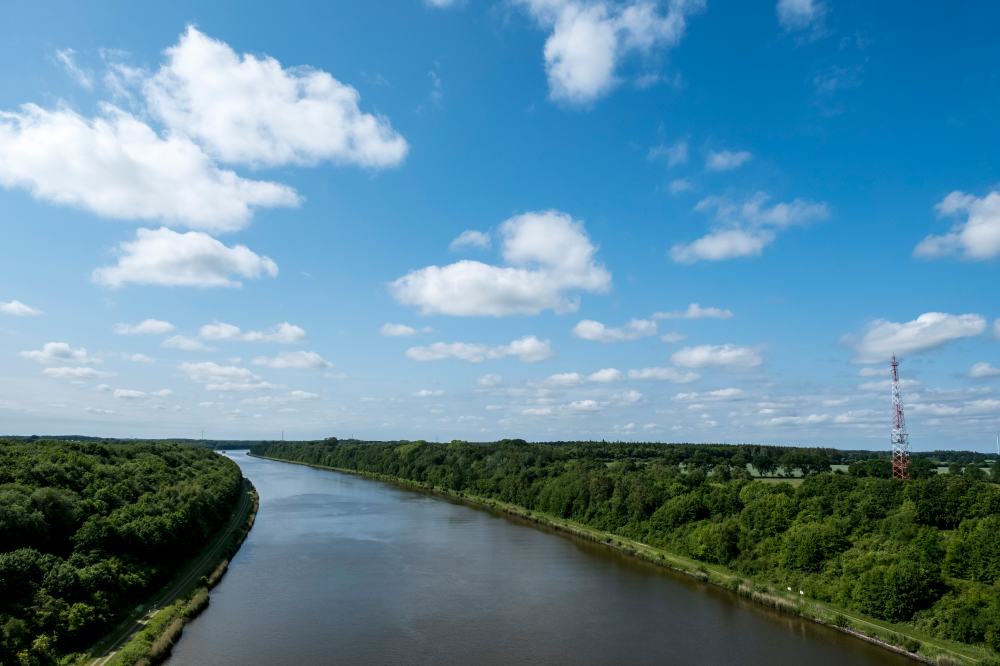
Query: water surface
343	570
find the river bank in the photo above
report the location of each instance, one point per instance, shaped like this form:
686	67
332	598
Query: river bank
899	639
151	633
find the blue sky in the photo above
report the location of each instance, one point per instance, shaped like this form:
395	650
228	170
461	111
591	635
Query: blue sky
549	219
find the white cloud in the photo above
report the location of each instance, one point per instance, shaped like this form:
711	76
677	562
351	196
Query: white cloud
671	337
396	330
528	349
606	375
129	394
489	380
75	373
283	333
251	110
145	327
548	254
727	160
630	397
983	370
116	166
441	4
18	309
65	57
721	356
97	410
873	372
810	419
595	331
296	360
589	40
679	186
996	329
663	374
883	338
745	229
137	358
976	238
59	352
695	311
470	238
224	378
800	14
184	343
428	393
716	395
583	406
674	154
194	259
565	379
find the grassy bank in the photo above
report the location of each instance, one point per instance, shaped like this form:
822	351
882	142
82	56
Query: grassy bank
185	598
900	638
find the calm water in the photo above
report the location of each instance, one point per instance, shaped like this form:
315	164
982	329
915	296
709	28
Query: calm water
341	570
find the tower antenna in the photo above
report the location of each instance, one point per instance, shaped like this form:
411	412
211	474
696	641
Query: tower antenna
900	438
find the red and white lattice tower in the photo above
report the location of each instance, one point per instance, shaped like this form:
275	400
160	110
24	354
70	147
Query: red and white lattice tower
900	439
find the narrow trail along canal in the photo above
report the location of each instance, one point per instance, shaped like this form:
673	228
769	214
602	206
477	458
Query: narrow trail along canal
344	570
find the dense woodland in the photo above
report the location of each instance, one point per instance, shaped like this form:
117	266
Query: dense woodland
88	531
924	551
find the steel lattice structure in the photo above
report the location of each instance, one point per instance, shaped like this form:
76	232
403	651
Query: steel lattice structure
900	438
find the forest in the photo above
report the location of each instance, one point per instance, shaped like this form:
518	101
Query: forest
925	551
90	530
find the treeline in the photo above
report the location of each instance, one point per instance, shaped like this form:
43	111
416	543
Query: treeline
925	551
88	531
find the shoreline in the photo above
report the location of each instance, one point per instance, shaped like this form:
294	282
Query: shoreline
882	634
152	635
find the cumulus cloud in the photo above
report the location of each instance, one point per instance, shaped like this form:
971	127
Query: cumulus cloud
983	370
663	374
795	15
470	238
745	229
708	396
605	376
225	378
67	372
246	109
548	254
884	338
590	40
428	393
59	352
137	358
145	327
975	238
296	360
116	166
185	343
719	356
194	259
489	380
727	160
595	331
695	311
283	333
809	419
18	309
528	349
132	394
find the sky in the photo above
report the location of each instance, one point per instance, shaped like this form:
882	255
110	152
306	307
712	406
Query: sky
674	220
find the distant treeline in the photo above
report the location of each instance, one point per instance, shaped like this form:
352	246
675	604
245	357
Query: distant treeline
89	530
925	551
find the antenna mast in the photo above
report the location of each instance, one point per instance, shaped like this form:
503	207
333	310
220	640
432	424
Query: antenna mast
900	438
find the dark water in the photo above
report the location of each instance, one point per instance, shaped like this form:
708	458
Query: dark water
341	570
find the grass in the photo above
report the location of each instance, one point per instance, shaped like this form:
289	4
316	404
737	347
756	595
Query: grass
897	637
